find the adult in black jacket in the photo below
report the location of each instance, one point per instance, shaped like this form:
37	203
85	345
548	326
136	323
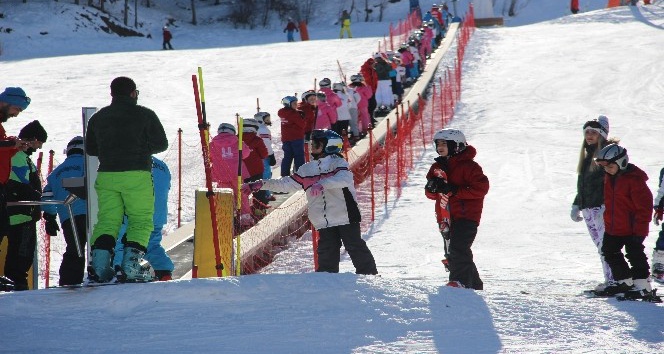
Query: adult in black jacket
124	136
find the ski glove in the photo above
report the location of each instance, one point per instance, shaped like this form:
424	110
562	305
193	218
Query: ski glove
575	214
316	190
273	160
50	225
252	186
435	185
657	216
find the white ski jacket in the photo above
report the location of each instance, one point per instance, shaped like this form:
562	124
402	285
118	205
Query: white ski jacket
338	203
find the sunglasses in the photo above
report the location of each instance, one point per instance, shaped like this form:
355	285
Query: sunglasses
26	98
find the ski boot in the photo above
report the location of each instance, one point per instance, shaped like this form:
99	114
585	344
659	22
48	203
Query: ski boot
642	291
163	275
6	284
614	289
99	270
455	284
131	270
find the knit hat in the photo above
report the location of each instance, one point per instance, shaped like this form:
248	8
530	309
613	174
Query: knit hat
122	86
75	146
600	125
33	130
15	96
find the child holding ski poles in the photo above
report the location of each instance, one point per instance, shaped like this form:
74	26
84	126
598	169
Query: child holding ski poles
457	183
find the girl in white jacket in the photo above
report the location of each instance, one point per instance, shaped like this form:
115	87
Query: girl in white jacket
331	201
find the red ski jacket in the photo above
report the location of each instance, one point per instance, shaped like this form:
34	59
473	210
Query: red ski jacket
369	74
258	153
7	150
292	124
310	112
628	202
466	174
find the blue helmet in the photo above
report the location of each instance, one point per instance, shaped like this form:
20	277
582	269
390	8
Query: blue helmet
332	142
286	101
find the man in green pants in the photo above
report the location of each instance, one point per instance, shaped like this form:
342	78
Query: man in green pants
124	136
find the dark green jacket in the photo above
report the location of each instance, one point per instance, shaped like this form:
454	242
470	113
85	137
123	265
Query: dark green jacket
124	136
590	185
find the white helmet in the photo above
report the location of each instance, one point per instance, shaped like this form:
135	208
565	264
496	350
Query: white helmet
262	118
249	125
226	128
356	78
338	86
456	141
614	153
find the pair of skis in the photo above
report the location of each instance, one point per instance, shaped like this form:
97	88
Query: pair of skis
650	297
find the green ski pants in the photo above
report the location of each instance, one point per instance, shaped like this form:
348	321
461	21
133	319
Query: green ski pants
125	193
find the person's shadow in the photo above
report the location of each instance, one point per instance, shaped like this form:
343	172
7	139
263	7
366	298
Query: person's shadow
648	318
463	322
636	11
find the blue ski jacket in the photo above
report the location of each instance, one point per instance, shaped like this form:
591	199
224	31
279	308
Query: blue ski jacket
73	166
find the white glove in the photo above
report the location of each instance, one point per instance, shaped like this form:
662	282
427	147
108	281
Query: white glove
576	213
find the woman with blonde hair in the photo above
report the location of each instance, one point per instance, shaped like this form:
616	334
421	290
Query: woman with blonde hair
589	200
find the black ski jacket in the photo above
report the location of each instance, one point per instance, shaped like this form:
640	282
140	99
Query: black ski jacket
124	136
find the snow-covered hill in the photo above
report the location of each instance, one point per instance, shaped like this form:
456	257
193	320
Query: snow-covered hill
526	92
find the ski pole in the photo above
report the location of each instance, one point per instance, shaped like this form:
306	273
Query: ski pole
240	124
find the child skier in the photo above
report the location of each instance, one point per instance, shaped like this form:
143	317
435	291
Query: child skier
72	266
628	202
658	252
463	192
588	203
254	163
326	117
264	121
292	135
224	155
331	201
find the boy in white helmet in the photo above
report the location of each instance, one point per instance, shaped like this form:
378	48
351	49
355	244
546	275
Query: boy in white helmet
457	183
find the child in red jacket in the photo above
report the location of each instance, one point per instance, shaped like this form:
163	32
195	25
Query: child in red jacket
628	203
456	182
254	162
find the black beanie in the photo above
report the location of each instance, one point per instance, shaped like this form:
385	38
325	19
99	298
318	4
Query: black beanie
32	131
122	86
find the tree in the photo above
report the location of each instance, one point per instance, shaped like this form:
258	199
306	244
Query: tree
126	12
193	12
511	12
136	14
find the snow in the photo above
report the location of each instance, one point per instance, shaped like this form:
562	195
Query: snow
527	90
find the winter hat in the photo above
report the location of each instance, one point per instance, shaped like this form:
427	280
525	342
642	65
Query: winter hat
600	125
122	86
15	96
33	130
75	146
